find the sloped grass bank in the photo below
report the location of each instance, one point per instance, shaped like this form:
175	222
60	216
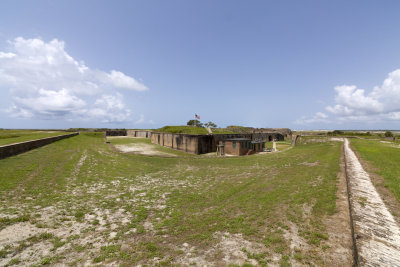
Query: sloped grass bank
385	157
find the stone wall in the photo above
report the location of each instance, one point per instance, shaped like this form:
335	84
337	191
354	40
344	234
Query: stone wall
14	149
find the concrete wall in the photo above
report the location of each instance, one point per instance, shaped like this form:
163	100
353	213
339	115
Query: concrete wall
115	133
139	133
14	149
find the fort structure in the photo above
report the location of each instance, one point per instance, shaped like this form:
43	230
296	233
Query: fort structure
206	143
201	144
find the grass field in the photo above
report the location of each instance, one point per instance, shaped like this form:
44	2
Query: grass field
280	145
16	136
79	201
385	156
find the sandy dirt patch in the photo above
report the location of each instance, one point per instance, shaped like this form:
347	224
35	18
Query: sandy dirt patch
142	149
231	249
377	233
80	164
310	164
336	139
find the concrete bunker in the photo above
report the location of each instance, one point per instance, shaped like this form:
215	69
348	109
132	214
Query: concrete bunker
236	144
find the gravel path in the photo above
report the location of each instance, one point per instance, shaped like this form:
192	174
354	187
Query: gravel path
377	233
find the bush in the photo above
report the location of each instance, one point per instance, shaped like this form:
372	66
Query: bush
196	123
388	134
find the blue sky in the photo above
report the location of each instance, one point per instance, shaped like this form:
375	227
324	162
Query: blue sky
146	64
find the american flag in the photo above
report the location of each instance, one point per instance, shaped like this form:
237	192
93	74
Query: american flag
196	116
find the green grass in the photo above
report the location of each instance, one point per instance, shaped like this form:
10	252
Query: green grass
280	145
385	157
182	129
238	129
16	136
255	196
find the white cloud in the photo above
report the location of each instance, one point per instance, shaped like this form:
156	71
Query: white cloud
118	79
353	101
110	108
6	55
142	120
48	104
356	105
46	82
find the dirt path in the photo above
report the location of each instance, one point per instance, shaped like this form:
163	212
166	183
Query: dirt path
377	234
142	149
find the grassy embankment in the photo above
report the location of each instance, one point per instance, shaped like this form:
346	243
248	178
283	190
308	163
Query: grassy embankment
86	202
385	157
191	130
16	136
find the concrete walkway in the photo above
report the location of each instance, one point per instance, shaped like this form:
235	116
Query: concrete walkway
377	233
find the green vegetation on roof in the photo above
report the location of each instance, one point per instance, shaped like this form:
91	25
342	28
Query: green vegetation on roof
237	129
182	129
192	130
222	131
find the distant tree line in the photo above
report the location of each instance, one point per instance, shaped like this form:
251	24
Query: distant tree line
93	129
339	132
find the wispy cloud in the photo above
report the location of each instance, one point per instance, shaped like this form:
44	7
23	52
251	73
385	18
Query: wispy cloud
142	120
317	117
